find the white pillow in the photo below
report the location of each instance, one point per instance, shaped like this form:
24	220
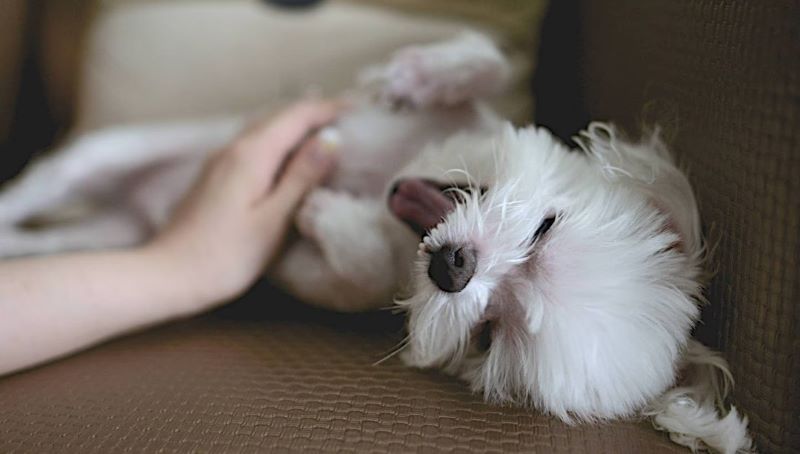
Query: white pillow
151	61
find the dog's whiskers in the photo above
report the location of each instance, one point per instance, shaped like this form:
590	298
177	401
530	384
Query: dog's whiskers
394	309
394	351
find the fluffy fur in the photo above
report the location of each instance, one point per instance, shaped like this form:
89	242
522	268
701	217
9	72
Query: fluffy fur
590	321
588	269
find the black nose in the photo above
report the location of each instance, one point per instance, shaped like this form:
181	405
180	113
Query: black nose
452	267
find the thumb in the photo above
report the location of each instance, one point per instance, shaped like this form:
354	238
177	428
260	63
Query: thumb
304	171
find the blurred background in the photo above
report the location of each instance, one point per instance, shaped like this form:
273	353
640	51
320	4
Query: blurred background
68	66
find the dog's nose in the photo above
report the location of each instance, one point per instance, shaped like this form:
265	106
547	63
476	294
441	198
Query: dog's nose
452	267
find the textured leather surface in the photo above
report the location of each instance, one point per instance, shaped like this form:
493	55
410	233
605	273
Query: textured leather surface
299	381
723	78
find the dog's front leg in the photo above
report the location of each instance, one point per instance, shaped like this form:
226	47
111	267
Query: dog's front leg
345	261
350	233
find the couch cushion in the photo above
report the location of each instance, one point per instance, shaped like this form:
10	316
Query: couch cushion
282	379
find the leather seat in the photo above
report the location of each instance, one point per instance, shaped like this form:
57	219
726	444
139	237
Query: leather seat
269	375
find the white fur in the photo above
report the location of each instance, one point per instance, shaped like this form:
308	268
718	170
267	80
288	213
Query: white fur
691	411
585	291
591	321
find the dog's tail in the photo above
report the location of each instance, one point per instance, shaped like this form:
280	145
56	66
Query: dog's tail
692	412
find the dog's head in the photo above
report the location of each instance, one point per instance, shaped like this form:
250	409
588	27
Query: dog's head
551	276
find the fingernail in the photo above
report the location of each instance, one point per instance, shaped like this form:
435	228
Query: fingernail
329	138
323	156
327	146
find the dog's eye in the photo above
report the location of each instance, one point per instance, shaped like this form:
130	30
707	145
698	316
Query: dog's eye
543	227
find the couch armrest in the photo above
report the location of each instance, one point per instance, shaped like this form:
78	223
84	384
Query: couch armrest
723	79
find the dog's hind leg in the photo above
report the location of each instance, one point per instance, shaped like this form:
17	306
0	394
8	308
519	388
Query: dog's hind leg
94	164
46	185
448	73
110	229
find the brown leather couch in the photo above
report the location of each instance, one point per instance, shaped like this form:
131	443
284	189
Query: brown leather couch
267	374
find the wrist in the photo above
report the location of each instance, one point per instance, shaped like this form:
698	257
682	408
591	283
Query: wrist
196	277
178	278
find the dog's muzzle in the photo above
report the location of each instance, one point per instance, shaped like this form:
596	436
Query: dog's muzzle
422	204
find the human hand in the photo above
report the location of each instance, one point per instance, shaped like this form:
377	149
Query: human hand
235	218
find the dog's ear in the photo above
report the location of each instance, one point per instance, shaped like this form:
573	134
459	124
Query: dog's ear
649	166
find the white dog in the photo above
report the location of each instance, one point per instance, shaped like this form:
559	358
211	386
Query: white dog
564	279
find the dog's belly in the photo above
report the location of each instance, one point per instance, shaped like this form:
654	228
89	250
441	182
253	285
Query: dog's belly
377	142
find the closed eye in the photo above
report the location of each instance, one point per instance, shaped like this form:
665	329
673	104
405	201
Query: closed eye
543	228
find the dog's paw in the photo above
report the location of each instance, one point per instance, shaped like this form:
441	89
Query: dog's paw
306	217
445	74
310	216
414	77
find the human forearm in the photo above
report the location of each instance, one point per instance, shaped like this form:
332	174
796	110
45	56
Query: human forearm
53	306
219	239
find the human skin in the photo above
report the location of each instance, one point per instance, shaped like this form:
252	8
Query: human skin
218	243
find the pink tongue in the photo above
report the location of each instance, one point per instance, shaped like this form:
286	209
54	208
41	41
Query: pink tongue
420	204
